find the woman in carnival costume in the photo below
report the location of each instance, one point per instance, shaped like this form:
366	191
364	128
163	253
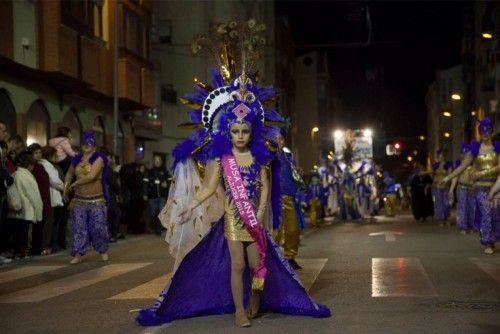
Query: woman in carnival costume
88	209
485	159
390	195
466	209
287	234
215	223
440	169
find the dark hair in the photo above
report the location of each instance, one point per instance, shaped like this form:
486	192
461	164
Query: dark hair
24	159
3	144
2	122
34	147
17	139
48	152
63	131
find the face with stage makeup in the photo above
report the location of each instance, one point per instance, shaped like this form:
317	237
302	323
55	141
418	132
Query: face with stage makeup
240	133
485	133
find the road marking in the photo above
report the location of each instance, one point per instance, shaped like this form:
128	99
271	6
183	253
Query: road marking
149	289
389	235
68	284
489	266
23	272
400	277
311	268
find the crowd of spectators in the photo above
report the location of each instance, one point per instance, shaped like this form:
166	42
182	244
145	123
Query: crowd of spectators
33	213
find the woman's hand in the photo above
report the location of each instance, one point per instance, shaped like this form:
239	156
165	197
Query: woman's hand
491	195
451	197
475	175
186	214
65	197
443	182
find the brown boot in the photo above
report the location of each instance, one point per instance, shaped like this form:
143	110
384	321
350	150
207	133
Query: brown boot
254	304
241	319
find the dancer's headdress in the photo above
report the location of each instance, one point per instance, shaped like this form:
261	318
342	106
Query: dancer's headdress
88	138
485	126
232	97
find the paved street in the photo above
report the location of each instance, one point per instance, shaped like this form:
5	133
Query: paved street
406	277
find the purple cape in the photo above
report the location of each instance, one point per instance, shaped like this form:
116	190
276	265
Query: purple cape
201	285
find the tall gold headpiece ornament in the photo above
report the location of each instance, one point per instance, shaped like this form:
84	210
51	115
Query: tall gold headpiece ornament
236	47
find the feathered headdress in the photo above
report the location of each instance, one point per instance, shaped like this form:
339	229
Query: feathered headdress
232	96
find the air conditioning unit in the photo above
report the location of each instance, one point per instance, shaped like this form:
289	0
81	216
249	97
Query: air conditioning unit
168	94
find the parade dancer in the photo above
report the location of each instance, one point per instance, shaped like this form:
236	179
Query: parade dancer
465	196
440	169
363	191
215	224
485	158
390	195
348	203
88	210
315	200
292	219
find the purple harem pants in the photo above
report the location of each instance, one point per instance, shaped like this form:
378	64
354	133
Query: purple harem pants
441	204
89	226
486	215
466	208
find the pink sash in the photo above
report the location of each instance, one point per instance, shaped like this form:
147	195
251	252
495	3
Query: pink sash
248	216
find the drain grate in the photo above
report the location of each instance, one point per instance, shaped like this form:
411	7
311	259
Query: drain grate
470	305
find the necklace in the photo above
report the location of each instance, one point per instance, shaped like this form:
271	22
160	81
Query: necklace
238	153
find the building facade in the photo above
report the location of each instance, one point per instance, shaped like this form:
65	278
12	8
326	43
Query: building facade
446	118
57	64
481	61
312	109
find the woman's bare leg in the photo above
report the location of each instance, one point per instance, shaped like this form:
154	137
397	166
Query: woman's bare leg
237	253
253	261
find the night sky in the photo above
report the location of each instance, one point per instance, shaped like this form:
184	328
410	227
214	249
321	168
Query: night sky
382	85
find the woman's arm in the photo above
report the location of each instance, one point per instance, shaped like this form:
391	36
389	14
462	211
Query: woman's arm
67	181
494	189
95	171
209	186
264	194
466	163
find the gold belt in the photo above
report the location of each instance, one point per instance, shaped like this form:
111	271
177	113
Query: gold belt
99	199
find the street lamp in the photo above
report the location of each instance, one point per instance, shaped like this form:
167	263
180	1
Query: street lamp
367	133
447	135
456	97
487	25
447	114
422	138
338	134
313	131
